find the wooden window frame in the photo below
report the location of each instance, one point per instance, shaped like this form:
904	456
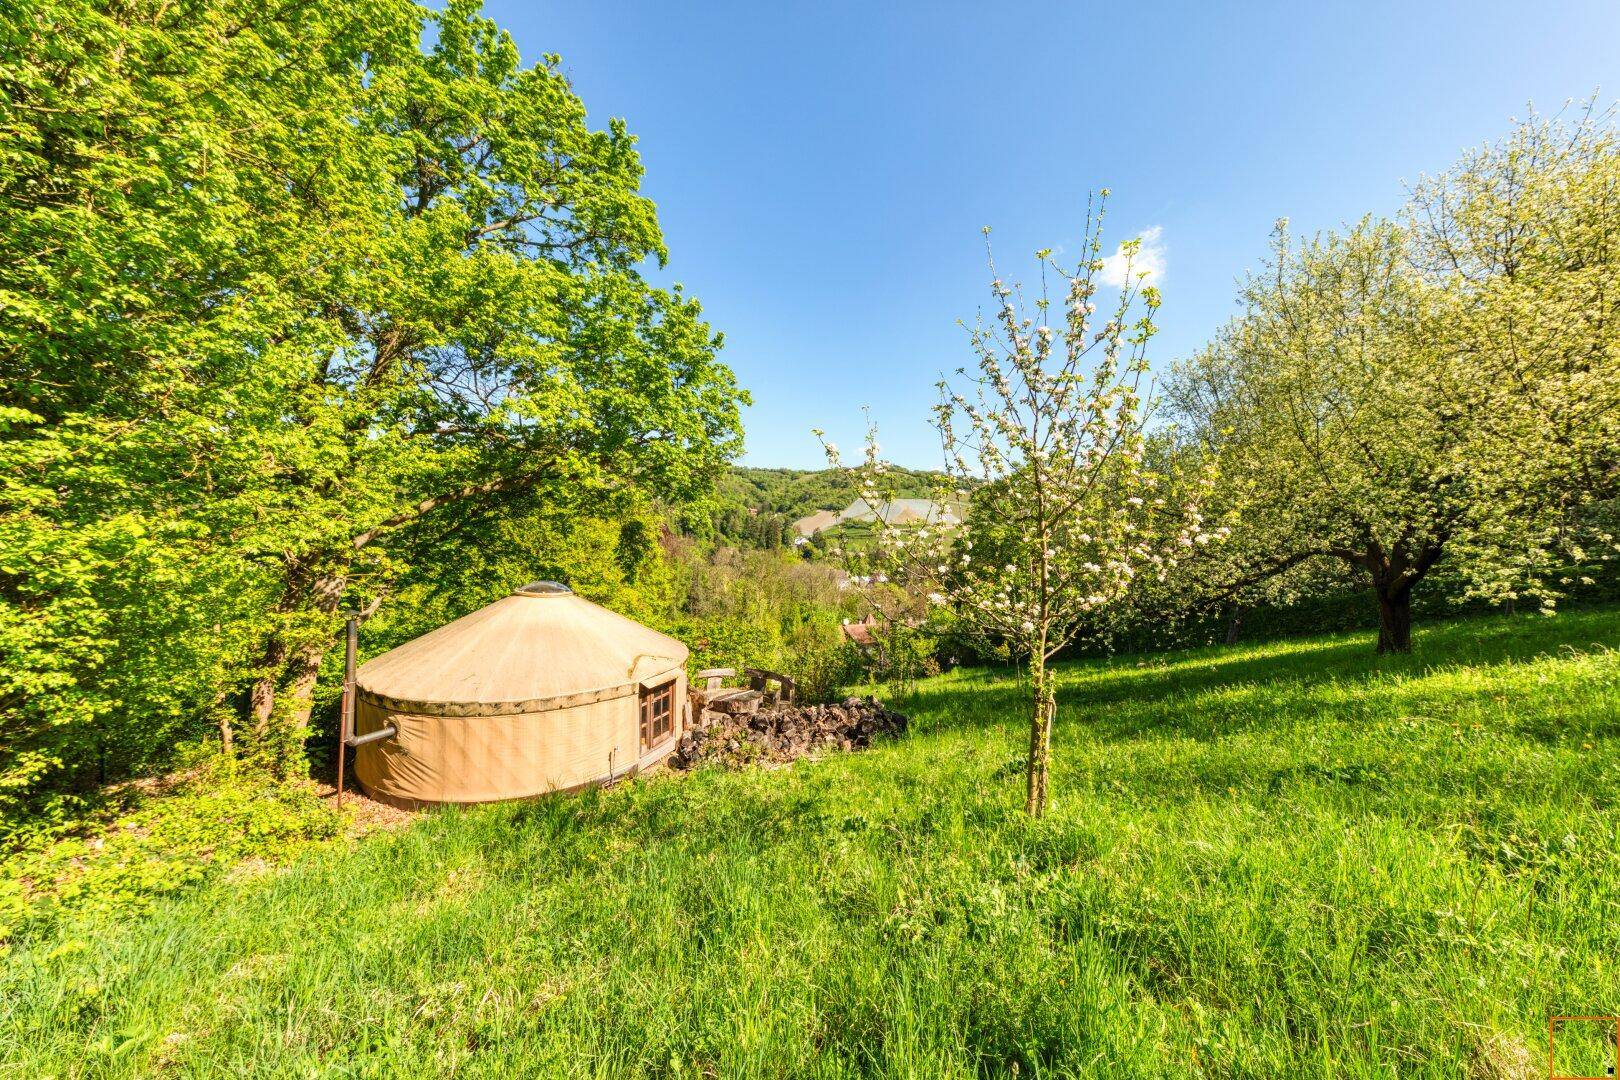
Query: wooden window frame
657	724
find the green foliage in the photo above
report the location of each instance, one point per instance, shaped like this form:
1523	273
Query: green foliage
157	207
901	655
829	670
1442	390
1291	860
1523	232
294	294
146	840
746	608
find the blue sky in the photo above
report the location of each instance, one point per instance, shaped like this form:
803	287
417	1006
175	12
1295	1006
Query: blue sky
822	171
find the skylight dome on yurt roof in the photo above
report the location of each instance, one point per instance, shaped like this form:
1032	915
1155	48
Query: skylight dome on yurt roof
544	588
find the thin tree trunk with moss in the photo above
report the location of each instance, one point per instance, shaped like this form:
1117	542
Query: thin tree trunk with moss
1044	708
262	698
282	696
1234	625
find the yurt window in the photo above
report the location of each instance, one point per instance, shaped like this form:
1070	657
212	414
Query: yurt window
657	714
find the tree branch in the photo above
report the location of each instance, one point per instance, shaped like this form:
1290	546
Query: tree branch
433	502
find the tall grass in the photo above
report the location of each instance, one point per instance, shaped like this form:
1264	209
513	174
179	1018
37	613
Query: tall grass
1293	859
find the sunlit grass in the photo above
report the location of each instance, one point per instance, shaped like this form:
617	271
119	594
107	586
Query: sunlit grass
1288	859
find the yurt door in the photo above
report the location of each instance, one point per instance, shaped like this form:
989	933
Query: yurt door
657	714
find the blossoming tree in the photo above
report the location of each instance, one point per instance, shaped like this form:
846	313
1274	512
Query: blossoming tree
1044	445
1435	394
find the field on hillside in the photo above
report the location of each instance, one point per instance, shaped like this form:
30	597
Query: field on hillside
1289	859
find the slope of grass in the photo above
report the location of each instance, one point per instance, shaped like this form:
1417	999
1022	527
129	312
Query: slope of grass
1291	859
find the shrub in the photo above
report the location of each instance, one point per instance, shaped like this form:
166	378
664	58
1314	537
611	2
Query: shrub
151	838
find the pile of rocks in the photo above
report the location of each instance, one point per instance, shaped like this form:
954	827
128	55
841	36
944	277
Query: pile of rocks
744	730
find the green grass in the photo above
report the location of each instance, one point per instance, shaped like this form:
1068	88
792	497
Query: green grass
1290	859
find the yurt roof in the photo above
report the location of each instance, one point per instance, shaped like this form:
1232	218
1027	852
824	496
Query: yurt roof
541	644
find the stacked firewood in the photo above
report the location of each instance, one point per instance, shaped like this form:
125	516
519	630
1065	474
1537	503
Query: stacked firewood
744	729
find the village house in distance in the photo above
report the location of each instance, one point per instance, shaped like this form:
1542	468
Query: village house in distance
890	512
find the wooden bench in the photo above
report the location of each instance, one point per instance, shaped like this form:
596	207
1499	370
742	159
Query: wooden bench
714	678
759	679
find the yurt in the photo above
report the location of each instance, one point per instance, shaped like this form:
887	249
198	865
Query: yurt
540	691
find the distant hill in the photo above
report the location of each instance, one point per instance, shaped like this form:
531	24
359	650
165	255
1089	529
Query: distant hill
757	506
797	492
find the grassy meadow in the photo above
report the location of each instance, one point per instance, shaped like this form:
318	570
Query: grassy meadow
1290	859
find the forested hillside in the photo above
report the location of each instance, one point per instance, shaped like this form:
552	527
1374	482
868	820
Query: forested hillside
804	491
758	507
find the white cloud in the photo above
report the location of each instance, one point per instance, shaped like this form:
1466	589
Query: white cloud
1149	259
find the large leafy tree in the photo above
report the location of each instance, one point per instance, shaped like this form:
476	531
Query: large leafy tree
1447	388
1342	425
282	284
169	174
1525	233
496	336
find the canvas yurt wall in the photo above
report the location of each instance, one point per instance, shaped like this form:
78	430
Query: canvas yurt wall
540	691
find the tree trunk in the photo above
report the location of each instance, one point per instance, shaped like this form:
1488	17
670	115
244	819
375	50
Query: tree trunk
227	734
262	700
297	702
299	691
288	674
1395	621
1234	625
1040	738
